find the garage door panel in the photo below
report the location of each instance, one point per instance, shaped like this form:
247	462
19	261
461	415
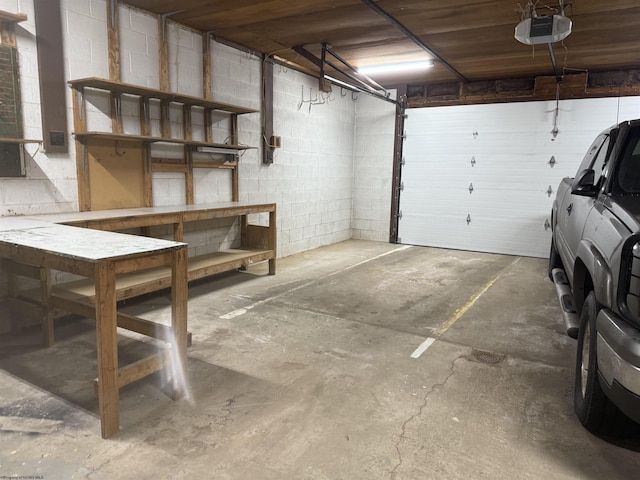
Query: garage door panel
482	233
443	201
505	152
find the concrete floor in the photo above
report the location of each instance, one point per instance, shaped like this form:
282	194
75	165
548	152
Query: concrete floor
310	375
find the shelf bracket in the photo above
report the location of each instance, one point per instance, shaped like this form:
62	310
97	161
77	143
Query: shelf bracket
113	4
80	99
83	154
118	154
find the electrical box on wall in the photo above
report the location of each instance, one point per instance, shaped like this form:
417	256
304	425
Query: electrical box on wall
276	141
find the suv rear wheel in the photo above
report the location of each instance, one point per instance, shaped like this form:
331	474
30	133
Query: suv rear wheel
594	410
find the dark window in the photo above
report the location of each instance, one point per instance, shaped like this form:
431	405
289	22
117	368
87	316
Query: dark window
11	164
629	173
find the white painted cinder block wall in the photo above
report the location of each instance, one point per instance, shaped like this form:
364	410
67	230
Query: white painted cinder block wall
332	152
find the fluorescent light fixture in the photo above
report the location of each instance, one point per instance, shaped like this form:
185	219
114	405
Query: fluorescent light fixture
396	67
223	151
339	82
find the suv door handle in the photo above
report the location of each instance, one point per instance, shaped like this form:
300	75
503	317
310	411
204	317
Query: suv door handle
569	208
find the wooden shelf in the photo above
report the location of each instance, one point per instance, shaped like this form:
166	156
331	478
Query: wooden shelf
129	89
12	17
82	137
18	140
142	282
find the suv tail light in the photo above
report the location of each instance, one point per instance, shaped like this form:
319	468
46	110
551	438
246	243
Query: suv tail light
629	280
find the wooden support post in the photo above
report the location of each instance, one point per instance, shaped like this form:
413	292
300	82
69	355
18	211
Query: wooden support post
235	193
178	231
206	66
208	127
82	164
113	40
179	322
8	33
107	347
165	119
163	55
186	122
147	177
267	111
188	176
47	307
273	241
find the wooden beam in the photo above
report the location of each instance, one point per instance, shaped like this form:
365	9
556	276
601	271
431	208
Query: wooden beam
179	297
206	66
138	370
188	177
82	162
113	40
107	346
267	110
163	55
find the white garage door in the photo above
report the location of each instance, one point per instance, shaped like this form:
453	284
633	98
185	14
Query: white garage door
478	177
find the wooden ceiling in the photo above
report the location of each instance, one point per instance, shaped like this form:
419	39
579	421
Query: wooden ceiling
474	36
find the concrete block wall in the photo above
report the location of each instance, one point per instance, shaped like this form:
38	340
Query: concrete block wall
51	179
373	168
312	179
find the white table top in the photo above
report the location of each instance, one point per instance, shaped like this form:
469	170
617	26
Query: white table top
79	243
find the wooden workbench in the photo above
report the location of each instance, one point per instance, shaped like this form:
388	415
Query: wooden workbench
100	256
258	244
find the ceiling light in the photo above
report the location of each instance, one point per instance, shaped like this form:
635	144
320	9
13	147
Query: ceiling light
396	67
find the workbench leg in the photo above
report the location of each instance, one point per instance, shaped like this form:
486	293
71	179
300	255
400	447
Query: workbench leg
273	242
47	307
107	346
179	296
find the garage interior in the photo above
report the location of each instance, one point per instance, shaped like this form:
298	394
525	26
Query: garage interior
410	329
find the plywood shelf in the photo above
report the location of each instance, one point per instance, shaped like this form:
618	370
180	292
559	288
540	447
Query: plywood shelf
145	92
18	140
12	17
142	282
125	179
83	136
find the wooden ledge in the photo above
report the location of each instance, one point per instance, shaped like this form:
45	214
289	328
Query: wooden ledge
12	17
130	89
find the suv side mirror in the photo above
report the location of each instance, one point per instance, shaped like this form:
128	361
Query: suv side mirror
584	185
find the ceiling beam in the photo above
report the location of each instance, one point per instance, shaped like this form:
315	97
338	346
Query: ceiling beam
412	37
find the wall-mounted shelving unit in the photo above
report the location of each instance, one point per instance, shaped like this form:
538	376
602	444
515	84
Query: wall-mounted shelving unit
114	177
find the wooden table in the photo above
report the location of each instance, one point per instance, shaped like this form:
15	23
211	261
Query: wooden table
101	255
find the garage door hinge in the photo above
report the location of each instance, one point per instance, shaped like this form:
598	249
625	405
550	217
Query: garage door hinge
473	161
547	225
399	214
403	161
401	187
468	219
552	161
475	135
549	191
471	188
404	135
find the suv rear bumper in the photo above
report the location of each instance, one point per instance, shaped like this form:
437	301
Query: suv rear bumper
619	362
